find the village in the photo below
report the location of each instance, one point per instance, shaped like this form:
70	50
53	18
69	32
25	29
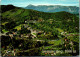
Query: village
33	34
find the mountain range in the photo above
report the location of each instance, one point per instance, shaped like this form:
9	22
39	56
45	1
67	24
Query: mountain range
54	8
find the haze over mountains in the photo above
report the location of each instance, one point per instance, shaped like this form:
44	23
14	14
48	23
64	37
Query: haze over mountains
54	8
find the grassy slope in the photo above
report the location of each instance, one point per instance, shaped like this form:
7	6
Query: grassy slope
61	20
19	13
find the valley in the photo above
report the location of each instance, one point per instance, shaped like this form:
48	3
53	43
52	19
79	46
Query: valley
27	32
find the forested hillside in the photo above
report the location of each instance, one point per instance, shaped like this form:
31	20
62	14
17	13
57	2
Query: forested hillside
63	20
30	32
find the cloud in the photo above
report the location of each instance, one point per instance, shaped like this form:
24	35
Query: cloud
42	3
23	3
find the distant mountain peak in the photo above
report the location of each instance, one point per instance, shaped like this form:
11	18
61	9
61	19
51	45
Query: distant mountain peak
31	5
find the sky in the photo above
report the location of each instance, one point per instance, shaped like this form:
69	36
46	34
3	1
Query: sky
24	3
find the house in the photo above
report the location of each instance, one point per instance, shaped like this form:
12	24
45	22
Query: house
11	35
71	43
29	28
25	21
62	33
51	19
14	33
28	36
39	32
34	33
26	26
76	27
52	54
34	36
65	45
30	21
65	39
21	35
